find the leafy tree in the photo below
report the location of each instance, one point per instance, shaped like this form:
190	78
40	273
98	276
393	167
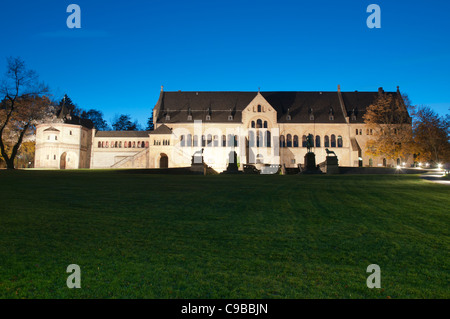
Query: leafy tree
123	123
150	124
97	118
389	119
24	104
431	136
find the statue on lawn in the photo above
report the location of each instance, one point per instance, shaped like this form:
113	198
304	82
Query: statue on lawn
309	142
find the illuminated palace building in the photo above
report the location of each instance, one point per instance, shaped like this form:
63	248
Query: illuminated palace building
261	127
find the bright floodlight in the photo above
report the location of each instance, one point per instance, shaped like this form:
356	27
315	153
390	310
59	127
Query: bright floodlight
404	163
420	164
399	167
439	166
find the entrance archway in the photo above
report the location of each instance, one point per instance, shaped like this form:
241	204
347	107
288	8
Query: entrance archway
163	161
62	161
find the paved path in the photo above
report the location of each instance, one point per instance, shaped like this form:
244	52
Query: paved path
435	177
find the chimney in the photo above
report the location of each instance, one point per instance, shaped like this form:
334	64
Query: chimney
339	88
380	90
398	89
162	88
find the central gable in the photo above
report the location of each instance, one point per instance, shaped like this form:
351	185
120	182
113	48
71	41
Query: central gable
259	108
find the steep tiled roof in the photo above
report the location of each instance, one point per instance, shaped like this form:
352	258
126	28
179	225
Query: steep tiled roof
357	102
175	107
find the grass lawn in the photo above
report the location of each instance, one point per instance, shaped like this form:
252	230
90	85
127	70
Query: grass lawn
227	236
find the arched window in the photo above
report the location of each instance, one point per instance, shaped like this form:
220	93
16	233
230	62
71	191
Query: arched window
134	144
236	141
99	144
289	140
317	141
259	139
230	140
120	144
143	144
333	140
282	141
182	141
259	123
265	124
304	141
259	108
295	141
146	145
326	141
189	140
216	140
224	140
203	141
195	141
253	124
340	142
251	139
112	144
209	140
129	144
268	139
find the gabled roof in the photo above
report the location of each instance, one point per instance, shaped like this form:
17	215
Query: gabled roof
178	105
163	129
175	107
128	134
356	103
301	105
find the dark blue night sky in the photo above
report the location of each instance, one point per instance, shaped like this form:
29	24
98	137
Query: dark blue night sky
126	50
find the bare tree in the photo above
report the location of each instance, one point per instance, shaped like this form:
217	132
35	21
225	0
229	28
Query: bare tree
24	102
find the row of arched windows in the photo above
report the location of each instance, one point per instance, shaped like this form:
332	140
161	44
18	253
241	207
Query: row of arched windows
125	144
158	142
259	124
259	139
208	140
328	141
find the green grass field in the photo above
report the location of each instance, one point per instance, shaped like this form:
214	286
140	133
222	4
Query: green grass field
165	236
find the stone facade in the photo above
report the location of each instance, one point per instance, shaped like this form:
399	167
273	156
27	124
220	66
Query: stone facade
261	127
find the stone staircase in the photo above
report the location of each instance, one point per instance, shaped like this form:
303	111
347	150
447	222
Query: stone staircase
131	161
